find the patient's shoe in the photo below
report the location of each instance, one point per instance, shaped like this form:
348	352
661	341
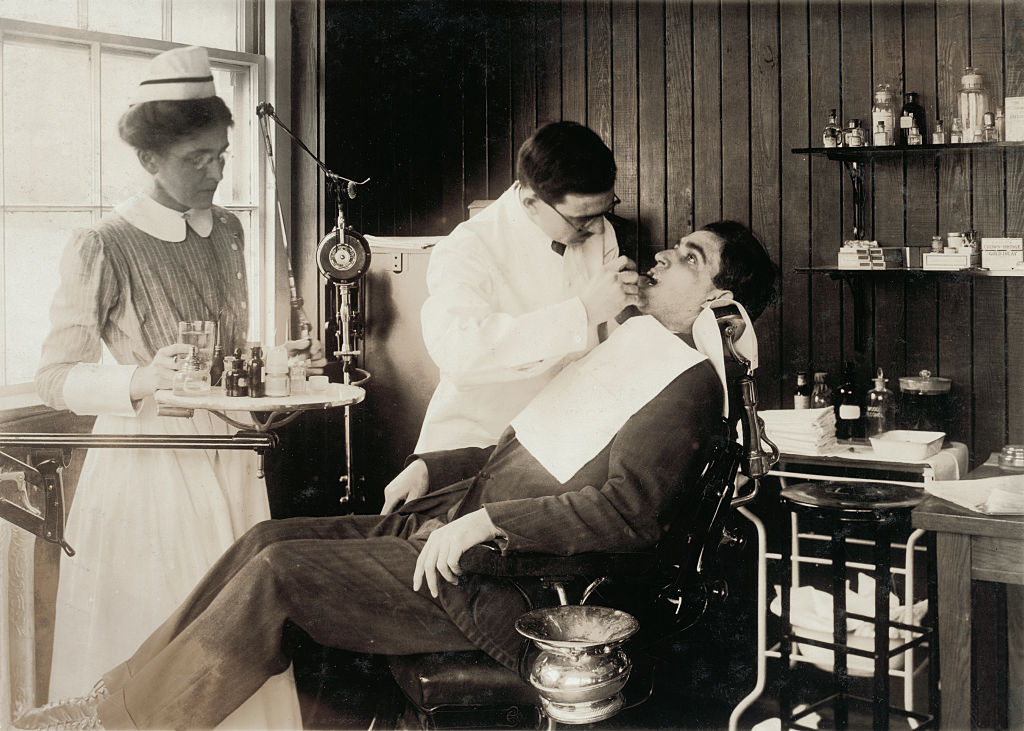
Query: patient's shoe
69	713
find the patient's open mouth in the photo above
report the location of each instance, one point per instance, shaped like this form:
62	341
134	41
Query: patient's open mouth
651	279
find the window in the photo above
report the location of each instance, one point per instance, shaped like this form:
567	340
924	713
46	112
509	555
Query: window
65	79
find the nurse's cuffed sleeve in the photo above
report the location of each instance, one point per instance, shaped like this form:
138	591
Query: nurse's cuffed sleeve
654	461
471	341
69	374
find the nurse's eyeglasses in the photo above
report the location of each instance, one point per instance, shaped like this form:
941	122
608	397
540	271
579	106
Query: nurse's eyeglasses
582	223
203	160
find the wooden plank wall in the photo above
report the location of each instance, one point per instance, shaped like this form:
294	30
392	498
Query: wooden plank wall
702	102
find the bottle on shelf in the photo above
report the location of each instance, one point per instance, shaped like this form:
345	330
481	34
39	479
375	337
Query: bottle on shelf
973	103
802	392
990	133
880	137
956	132
914	136
881	408
848	407
854	134
939	135
257	388
911	116
821	394
832	136
999	123
883	111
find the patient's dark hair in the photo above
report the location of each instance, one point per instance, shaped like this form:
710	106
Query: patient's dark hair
155	126
746	268
565	157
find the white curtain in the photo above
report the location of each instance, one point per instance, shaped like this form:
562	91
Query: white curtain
17	622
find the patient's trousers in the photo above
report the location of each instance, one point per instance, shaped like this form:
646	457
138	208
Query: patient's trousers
347	582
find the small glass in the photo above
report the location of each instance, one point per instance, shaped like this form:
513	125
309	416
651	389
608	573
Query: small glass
202	334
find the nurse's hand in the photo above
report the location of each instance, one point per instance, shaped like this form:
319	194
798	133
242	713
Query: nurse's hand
411	483
159	373
313	350
614	289
445	547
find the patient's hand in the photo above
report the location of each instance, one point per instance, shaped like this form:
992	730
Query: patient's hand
446	545
411	483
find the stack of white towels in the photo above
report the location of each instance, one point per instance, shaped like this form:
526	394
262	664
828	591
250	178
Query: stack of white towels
801	431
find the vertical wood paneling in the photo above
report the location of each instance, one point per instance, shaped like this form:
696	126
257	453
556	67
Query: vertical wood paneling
599	68
651	91
679	118
625	130
1013	28
954	334
574	60
734	124
707	113
989	312
500	152
765	195
921	195
888	345
549	63
826	225
474	112
797	131
523	63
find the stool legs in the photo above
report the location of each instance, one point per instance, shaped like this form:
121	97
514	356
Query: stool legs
883	586
840	670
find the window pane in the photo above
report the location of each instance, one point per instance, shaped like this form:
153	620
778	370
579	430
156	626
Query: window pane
237	187
55	12
47	150
212	23
33	243
142	18
122	174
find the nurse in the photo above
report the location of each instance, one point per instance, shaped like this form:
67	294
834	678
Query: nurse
147	524
519	291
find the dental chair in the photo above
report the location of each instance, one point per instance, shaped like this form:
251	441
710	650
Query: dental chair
669	587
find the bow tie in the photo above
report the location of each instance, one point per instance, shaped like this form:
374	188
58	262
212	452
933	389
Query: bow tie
558	247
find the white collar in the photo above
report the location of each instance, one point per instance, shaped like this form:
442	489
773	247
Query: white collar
162	222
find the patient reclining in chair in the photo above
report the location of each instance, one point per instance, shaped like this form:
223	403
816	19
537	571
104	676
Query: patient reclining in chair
600	461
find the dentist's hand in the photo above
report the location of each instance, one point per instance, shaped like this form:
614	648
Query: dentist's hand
614	289
159	373
311	349
409	484
445	547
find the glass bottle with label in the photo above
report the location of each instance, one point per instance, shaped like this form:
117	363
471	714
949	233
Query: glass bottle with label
191	379
999	123
255	373
883	111
939	135
972	103
802	393
821	394
880	137
854	134
881	409
848	407
956	132
236	379
990	134
914	136
912	115
832	136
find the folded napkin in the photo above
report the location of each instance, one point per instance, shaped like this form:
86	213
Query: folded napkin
1003	495
801	431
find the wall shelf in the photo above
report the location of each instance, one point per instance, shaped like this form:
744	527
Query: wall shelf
836	272
866	153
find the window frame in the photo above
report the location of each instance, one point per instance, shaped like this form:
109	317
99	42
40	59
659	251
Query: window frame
263	213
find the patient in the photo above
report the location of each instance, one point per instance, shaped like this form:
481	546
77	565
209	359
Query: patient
391	584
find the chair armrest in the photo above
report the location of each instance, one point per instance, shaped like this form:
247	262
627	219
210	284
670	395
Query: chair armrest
486	558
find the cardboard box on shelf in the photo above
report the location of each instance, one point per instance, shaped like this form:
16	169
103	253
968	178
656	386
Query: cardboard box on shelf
1002	253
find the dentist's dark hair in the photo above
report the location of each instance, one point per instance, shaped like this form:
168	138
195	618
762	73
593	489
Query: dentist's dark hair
565	157
746	268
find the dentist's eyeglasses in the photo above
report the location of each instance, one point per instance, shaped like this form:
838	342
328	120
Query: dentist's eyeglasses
582	223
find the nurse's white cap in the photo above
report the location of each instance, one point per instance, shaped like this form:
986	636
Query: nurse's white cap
181	73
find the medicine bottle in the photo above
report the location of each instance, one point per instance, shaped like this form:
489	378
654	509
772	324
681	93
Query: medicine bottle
802	393
881	135
972	103
881	408
236	379
883	111
956	132
821	394
939	135
848	407
297	371
832	136
854	134
990	133
911	116
914	136
255	373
